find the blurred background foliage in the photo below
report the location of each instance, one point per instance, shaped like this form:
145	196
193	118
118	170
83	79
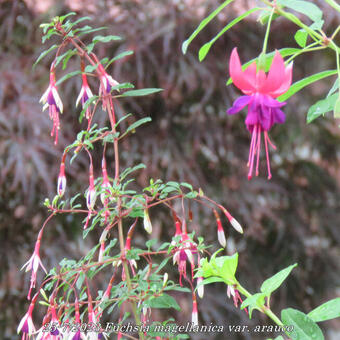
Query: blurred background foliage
292	218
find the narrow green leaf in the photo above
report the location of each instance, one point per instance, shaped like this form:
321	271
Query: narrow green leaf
137	123
321	107
304	327
203	23
119	56
305	7
87	29
44	54
105	39
63	17
334	87
274	282
140	92
327	311
206	47
299	85
67	76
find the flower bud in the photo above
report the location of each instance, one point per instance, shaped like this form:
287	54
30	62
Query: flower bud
91	198
147	222
236	225
61	185
165	279
200	287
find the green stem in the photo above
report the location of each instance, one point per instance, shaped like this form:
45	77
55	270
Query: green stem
265	41
333	4
337	65
264	309
307	49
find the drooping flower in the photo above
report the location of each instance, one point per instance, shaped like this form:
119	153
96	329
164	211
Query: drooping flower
147	222
185	252
91	195
84	95
33	264
263	109
51	99
26	326
61	187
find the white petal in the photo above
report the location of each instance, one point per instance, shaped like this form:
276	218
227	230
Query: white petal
43	98
236	225
81	93
194	318
57	99
89	92
21	323
221	238
189	254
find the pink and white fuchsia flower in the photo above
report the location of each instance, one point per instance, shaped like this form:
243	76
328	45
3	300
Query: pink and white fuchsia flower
33	264
84	95
263	109
26	326
61	187
51	99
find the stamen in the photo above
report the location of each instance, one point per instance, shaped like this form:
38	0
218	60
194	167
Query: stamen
252	152
251	148
258	150
266	141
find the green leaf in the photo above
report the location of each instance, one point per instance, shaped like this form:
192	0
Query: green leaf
321	107
211	279
119	56
203	23
301	37
137	123
105	39
63	17
274	282
269	58
229	267
44	54
304	327
67	76
334	87
307	8
255	301
206	47
327	311
299	85
140	92
163	301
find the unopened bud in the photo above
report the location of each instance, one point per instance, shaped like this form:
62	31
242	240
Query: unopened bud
147	222
61	185
236	225
165	279
91	198
200	287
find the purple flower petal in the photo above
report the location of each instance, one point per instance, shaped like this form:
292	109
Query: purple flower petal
271	102
278	116
239	104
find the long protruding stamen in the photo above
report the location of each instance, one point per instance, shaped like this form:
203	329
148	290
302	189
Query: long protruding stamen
258	150
266	141
252	152
251	149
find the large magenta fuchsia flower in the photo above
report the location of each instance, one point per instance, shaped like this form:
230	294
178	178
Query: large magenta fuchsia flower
51	99
263	109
